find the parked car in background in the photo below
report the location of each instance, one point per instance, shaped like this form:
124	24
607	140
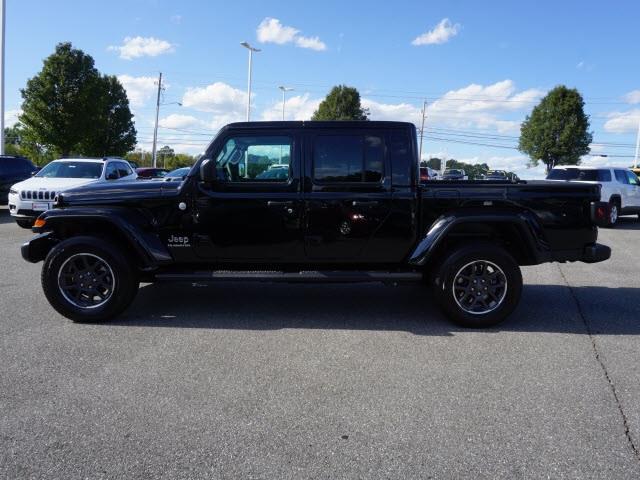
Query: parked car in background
427	173
274	173
620	187
31	197
12	170
454	174
151	172
177	175
635	170
496	175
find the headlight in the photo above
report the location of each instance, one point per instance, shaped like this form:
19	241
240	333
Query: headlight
13	191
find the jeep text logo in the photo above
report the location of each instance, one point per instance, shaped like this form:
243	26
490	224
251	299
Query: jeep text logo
178	241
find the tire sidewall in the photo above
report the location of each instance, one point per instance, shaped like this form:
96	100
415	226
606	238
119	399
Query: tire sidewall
125	279
460	258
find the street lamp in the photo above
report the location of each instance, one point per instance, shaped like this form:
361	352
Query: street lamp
251	50
284	91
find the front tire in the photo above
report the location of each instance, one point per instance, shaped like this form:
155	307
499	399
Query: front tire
478	286
87	279
25	222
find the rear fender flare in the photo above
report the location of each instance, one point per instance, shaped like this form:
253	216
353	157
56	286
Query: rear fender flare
526	223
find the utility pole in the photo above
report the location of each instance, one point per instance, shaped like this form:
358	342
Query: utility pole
284	91
635	158
155	129
424	115
2	25
251	50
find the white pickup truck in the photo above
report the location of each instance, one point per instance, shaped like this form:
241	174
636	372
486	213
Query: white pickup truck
620	187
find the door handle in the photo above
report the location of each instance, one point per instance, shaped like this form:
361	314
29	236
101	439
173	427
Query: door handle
364	203
272	203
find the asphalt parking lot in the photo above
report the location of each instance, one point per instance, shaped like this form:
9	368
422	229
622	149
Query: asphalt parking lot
307	381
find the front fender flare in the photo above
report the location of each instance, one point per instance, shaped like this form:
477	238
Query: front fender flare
129	223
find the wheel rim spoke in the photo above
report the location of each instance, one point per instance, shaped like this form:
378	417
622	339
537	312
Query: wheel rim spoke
86	281
479	287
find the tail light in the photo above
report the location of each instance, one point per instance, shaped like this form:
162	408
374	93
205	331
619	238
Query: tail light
600	212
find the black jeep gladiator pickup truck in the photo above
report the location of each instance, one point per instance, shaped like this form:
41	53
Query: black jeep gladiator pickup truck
312	201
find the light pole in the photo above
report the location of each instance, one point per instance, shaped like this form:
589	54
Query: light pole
635	158
284	91
251	50
2	25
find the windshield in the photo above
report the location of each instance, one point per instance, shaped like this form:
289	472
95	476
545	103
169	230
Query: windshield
453	172
71	170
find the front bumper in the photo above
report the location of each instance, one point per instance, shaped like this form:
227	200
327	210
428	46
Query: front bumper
37	248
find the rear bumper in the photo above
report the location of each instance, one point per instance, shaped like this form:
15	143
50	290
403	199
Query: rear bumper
596	253
37	248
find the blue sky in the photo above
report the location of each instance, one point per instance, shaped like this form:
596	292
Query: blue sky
480	65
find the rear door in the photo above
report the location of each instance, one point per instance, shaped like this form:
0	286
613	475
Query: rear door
347	197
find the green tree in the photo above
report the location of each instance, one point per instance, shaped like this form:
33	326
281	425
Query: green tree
60	101
16	143
342	103
68	107
164	154
112	131
557	131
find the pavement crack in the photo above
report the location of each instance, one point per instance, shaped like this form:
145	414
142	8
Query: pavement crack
596	352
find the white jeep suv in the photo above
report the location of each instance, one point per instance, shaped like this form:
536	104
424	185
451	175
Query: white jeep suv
31	197
619	187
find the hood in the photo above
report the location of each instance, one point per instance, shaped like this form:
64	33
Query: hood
119	192
56	184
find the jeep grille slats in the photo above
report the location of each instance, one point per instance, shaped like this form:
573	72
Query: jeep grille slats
37	195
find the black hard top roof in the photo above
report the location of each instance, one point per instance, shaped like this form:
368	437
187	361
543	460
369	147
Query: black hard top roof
323	124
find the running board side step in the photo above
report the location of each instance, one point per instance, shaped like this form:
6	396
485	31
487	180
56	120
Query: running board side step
293	277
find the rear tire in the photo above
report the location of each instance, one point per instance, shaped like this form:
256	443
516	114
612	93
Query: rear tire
87	279
25	222
478	286
614	213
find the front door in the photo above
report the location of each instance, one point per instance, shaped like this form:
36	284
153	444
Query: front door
253	211
347	196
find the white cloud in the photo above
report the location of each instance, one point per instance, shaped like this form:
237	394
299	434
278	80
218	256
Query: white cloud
441	33
474	106
300	107
11	117
134	47
632	97
623	122
176	120
314	43
271	30
139	89
227	104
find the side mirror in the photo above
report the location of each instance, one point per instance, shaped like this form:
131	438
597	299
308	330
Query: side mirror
112	176
207	172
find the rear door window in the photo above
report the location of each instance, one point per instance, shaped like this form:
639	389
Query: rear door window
348	158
